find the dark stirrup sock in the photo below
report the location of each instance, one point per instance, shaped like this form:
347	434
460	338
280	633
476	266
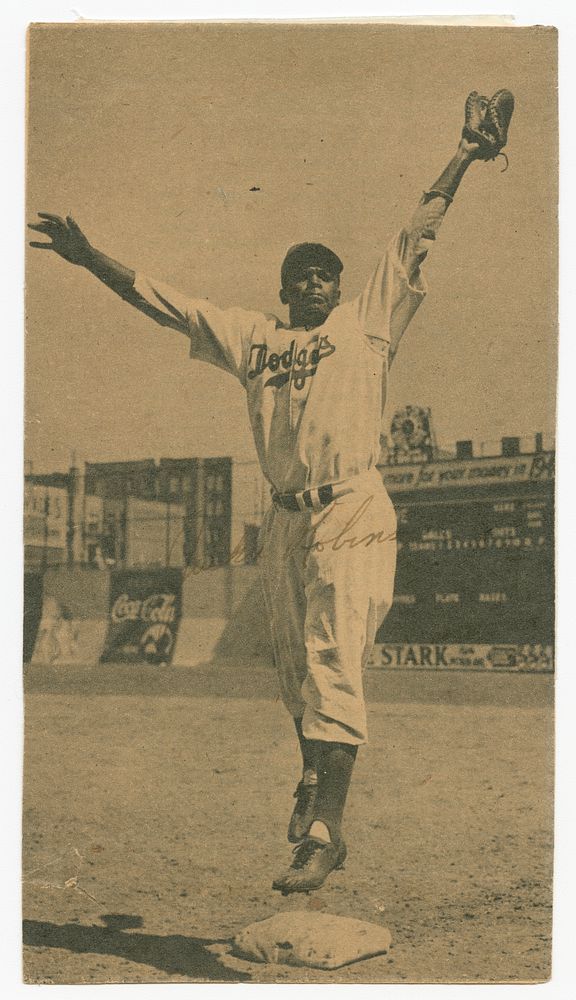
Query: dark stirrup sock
307	748
335	766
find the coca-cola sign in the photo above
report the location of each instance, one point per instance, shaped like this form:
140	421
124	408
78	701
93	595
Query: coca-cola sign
156	608
145	609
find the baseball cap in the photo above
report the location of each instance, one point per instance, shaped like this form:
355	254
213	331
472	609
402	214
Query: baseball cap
303	255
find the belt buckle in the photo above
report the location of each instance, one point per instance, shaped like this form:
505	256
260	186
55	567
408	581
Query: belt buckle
282	501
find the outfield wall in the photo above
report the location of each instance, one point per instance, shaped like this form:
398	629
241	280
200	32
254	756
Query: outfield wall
184	618
222	617
158	616
74	619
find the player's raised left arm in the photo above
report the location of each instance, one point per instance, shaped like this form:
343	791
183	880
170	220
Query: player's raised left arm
484	135
425	223
397	287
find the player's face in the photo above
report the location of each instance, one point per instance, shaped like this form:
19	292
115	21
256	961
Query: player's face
311	294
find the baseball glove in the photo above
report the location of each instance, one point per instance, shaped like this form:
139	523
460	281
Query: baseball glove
486	122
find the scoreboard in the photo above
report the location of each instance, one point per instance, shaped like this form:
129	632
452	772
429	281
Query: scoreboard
475	564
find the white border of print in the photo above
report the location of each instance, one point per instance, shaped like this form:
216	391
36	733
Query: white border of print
15	17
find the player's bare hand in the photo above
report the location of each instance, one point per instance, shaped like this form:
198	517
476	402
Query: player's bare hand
469	150
67	239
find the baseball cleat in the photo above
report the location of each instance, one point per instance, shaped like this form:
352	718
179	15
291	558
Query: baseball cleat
313	862
303	814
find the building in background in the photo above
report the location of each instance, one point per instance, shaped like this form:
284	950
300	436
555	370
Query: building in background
193	502
203	486
45	525
61	524
177	512
119	480
153	533
92	531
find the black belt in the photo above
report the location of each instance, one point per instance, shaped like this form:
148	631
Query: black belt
289	501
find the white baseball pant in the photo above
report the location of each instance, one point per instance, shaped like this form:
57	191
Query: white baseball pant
328	580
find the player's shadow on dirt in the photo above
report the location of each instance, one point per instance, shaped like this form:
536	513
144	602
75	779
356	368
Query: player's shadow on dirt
175	954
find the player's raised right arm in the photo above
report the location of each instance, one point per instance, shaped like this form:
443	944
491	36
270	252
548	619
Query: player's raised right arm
69	242
217	336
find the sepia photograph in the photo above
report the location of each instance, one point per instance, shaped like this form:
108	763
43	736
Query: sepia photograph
289	503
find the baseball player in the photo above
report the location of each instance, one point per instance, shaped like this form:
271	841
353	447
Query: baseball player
316	389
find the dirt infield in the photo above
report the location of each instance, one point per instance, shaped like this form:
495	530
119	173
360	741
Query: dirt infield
154	823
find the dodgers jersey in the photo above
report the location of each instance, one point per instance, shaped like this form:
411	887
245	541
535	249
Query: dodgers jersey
315	396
